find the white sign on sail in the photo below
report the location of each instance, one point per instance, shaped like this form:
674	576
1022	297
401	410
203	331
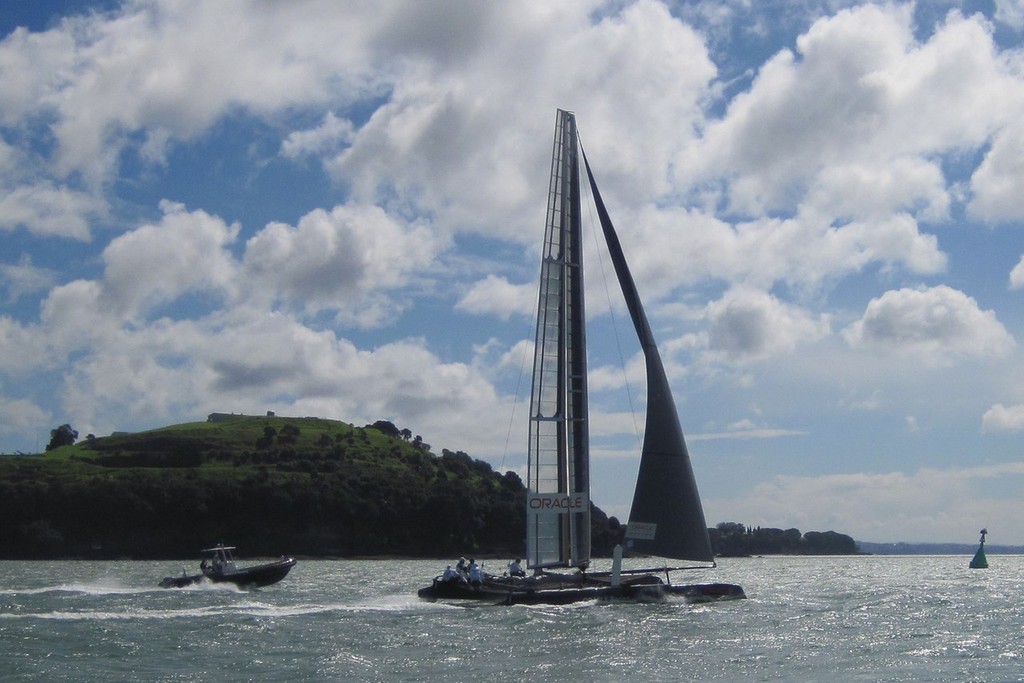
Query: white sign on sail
643	531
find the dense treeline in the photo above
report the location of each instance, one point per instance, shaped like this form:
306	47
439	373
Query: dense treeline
273	486
731	539
270	488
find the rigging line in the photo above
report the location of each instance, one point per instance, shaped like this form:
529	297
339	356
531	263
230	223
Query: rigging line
515	400
611	310
512	413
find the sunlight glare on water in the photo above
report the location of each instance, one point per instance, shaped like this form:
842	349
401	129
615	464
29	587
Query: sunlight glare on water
864	618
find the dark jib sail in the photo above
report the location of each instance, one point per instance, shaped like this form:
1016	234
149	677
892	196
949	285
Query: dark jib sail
666	518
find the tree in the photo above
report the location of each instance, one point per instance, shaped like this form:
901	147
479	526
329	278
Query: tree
385	427
289	434
62	436
268	437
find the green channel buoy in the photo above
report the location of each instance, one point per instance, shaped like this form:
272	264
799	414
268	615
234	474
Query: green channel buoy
979	561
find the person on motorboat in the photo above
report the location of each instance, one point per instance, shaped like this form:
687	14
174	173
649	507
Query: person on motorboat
476	575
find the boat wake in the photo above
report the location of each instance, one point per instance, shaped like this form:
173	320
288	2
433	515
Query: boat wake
104	587
253	609
209	586
395	603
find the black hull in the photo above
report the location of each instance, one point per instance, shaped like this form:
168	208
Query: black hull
564	590
249	577
708	592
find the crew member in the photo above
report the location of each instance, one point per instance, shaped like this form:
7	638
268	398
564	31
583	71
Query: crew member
476	576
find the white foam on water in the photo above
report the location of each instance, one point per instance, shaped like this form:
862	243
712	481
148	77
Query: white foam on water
99	587
117	615
207	586
400	602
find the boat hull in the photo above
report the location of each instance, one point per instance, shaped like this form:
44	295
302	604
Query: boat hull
707	592
564	590
248	577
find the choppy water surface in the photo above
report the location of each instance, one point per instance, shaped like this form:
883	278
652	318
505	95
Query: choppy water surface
806	619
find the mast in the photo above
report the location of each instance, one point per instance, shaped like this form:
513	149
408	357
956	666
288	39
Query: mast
558	477
666	518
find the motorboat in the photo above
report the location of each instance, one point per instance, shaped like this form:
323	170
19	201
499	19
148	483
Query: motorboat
218	566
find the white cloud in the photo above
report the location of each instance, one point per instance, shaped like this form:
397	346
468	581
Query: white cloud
1010	12
133	367
136	377
21	416
997	181
860	190
924	505
331	133
74	317
745	431
32	63
176	67
862	102
23	347
616	376
935	323
814	106
497	295
273	362
1003	418
463	140
338	259
750	324
1017	275
155	264
30	200
24	278
669	248
48	209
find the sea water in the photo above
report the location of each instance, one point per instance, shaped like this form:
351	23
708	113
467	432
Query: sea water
866	618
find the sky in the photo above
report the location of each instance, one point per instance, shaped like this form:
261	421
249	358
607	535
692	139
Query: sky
335	209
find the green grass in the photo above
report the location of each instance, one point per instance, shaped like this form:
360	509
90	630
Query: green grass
239	433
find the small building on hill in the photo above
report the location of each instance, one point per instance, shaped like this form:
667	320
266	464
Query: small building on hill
221	417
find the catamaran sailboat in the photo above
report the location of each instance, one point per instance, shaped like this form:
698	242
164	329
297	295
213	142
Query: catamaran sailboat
666	519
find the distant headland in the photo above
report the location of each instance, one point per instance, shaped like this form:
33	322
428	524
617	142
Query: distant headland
302	486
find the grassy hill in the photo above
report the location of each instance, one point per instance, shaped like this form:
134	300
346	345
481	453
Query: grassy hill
270	485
